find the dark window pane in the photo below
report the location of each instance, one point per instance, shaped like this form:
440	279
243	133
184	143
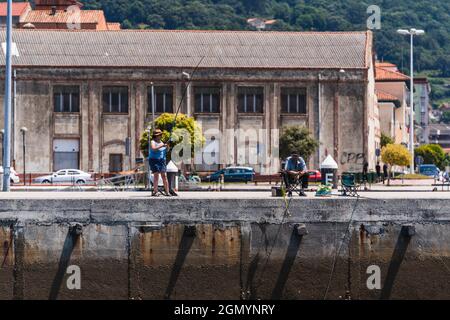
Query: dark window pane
302	102
198	104
114	102
250	99
106	104
259	103
241	103
163	99
66	99
293	100
284	103
115	99
75	102
215	103
207	99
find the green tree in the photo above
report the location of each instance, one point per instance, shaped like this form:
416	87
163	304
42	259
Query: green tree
173	131
432	154
445	117
395	155
385	140
297	138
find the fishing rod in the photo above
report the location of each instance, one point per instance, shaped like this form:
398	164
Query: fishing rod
172	126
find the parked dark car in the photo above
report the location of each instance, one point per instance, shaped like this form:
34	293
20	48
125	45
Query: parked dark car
314	176
233	174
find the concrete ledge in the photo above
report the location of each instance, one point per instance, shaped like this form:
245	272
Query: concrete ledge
179	210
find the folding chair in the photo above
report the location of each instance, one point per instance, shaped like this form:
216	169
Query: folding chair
291	184
349	185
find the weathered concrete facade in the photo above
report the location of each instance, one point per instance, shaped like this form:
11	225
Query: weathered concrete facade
223	249
340	111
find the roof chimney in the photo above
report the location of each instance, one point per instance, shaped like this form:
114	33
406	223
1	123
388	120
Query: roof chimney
53	11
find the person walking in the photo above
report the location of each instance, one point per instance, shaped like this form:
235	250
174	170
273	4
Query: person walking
378	170
385	172
157	161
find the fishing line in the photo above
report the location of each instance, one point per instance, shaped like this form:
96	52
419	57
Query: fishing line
337	253
183	96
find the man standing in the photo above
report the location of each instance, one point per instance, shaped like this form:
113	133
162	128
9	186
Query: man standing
295	169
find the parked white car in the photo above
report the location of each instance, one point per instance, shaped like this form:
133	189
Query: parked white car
67	176
14	177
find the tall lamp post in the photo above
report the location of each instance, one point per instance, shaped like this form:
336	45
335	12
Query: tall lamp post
2	132
187	76
24	130
7	101
411	32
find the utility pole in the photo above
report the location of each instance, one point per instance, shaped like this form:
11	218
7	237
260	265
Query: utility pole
7	106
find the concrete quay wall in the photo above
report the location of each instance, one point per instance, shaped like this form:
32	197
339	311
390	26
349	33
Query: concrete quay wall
225	248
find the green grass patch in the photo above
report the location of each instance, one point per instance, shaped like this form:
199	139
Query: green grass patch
414	176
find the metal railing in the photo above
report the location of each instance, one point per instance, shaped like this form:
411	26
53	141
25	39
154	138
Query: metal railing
123	182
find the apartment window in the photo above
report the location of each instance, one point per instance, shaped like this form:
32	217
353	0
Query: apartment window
207	99
293	100
115	99
115	162
66	98
163	99
250	99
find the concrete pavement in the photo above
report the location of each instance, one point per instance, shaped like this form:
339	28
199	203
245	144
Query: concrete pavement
410	193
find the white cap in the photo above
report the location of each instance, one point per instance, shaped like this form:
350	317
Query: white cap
329	163
171	167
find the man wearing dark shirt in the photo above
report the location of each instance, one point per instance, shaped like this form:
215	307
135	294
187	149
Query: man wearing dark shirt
295	168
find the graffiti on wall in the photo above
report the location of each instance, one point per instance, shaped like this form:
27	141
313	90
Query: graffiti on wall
352	158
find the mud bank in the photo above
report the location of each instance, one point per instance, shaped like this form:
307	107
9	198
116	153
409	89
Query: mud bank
224	249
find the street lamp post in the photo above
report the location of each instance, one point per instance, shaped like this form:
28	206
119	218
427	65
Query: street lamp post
24	130
7	101
3	144
187	76
412	32
153	105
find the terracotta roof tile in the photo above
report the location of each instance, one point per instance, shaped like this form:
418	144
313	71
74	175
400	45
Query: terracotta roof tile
17	9
113	25
384	96
220	49
61	16
382	74
385	64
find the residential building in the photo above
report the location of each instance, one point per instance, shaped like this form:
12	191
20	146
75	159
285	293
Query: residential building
422	109
19	10
392	94
440	134
56	14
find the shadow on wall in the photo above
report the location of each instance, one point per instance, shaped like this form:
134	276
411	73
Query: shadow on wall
69	244
288	262
397	258
185	245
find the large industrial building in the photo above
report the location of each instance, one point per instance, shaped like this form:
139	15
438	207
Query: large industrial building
84	95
